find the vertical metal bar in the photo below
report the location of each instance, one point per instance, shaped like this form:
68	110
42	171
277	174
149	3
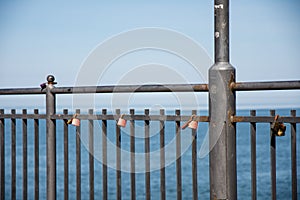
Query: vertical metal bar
2	156
50	140
118	157
294	157
36	155
91	154
104	155
13	155
24	127
194	161
162	157
132	156
273	159
178	157
147	156
66	157
253	156
222	132
78	161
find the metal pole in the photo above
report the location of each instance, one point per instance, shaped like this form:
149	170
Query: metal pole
222	133
51	140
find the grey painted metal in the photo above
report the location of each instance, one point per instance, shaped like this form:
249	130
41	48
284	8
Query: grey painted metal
13	156
271	85
66	157
237	86
91	154
273	159
36	156
253	157
178	157
78	160
264	119
147	156
133	88
2	156
25	166
50	142
104	156
222	157
118	160
194	161
132	157
294	157
162	157
221	24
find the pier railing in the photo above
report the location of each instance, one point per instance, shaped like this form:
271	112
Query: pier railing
51	117
221	88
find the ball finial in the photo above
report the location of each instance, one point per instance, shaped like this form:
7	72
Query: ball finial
50	78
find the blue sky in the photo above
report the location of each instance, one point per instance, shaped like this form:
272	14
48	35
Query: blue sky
55	37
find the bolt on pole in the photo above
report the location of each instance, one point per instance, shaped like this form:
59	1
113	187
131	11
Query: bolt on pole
222	133
50	139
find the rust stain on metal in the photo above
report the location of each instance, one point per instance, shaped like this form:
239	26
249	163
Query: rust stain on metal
201	87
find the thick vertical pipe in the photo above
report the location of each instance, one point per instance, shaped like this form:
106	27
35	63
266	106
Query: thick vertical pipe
221	30
2	157
273	159
50	140
253	156
222	133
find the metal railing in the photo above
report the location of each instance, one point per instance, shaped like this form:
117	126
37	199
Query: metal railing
91	117
222	157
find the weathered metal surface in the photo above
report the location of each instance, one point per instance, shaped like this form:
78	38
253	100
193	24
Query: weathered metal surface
253	157
2	156
178	157
50	143
273	159
162	157
194	161
294	157
271	85
264	119
222	133
25	166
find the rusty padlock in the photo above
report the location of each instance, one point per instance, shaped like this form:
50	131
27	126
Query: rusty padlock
278	128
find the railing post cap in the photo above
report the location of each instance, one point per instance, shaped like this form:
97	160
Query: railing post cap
50	78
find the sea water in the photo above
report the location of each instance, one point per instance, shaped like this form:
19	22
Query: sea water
283	161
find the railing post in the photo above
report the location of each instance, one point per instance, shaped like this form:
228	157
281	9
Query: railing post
51	139
222	133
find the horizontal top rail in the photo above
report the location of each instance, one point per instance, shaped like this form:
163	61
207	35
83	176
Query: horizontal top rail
239	86
110	89
271	85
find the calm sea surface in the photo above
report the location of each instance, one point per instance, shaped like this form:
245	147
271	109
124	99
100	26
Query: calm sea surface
283	161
